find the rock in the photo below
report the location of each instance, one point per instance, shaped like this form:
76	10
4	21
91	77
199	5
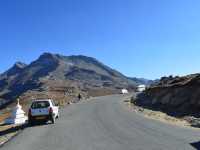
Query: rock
166	98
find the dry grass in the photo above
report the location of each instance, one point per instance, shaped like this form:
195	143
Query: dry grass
4	116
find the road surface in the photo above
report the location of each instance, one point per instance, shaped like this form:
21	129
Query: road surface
104	124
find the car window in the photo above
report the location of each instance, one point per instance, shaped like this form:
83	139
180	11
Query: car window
40	104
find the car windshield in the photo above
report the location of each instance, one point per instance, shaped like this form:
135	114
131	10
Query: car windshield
40	104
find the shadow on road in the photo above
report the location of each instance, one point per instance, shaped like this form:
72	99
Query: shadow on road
13	129
196	145
10	130
37	124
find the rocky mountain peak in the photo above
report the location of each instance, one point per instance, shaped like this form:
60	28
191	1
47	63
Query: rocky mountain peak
46	60
86	58
47	56
19	65
15	69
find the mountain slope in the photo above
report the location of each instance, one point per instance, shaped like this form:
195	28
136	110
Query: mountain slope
60	77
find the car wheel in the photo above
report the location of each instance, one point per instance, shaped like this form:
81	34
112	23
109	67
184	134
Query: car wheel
31	122
58	116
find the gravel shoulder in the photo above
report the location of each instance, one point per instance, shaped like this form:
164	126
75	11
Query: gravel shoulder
159	116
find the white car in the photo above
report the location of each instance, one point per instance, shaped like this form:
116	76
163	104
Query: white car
43	110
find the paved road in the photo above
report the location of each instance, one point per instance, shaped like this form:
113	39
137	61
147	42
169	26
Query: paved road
104	124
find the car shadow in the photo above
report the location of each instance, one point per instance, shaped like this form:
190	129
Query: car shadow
37	124
11	129
196	145
19	127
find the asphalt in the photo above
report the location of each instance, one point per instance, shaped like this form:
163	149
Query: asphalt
104	123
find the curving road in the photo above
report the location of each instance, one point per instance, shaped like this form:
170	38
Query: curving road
104	124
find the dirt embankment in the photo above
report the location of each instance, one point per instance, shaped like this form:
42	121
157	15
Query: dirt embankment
172	98
177	96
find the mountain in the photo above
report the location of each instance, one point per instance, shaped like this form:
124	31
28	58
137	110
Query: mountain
175	95
17	67
61	77
139	81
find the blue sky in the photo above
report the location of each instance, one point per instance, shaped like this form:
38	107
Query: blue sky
142	38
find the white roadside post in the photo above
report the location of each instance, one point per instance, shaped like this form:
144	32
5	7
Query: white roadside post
17	115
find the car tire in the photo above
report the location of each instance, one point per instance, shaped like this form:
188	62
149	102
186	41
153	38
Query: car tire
31	122
58	116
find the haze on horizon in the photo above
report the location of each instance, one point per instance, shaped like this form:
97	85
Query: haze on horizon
139	38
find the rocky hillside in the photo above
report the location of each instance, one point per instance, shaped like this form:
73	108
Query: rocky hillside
60	77
178	96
